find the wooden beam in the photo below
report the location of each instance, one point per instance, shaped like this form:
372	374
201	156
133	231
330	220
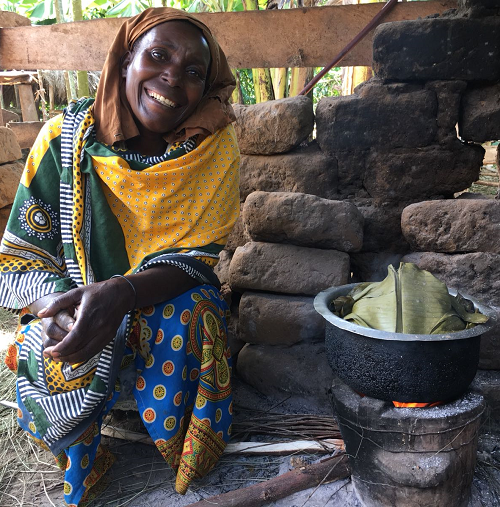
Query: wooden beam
28	107
13	78
26	132
308	37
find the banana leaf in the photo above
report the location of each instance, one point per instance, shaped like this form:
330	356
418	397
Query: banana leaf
409	300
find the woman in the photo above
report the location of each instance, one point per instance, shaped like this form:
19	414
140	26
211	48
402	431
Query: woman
122	210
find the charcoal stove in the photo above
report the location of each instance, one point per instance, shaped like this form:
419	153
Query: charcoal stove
409	457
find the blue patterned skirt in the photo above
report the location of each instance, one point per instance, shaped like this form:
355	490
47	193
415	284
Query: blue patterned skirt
182	388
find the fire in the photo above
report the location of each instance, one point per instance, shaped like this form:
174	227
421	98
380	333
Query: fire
399	404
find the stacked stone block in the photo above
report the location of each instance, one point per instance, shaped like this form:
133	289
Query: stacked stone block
10	173
388	165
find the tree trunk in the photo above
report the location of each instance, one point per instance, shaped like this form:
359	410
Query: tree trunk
70	93
301	76
237	96
280	82
82	77
261	77
353	76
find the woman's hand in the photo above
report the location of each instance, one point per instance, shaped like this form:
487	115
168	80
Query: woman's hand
99	309
54	328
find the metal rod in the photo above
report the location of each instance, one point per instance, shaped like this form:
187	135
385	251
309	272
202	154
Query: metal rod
361	35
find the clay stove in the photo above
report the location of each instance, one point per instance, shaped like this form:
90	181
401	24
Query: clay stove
409	457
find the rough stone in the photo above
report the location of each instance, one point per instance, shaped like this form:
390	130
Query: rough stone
489	356
275	126
303	219
382	116
351	172
453	225
238	236
287	269
480	114
372	267
306	170
222	267
300	371
233	333
448	95
478	8
273	319
382	226
10	150
4	218
472	196
10	175
489	384
442	48
475	274
11	19
9	116
405	175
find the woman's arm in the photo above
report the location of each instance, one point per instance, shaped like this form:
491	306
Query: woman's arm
100	308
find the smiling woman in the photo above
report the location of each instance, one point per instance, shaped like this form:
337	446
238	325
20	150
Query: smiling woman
123	207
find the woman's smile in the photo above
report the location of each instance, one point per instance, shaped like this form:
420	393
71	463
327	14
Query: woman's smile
161	99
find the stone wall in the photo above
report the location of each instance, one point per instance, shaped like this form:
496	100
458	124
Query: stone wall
11	169
380	184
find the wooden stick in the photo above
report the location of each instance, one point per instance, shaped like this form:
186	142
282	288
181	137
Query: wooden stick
487	183
489	173
9	404
328	470
256	448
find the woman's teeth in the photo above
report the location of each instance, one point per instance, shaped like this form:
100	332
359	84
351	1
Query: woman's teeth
161	100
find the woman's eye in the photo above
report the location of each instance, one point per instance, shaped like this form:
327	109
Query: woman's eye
197	73
158	55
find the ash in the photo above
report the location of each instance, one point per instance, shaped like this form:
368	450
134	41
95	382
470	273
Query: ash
141	478
469	401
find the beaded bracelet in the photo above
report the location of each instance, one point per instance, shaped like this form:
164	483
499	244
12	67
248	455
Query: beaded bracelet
131	285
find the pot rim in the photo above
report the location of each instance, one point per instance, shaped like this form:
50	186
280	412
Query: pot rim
322	300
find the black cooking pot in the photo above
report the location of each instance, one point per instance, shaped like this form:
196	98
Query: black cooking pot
401	367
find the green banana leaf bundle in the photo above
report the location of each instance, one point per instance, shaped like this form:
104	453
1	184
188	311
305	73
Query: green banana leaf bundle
409	300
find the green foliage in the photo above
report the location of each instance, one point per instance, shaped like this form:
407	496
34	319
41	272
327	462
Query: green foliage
247	87
127	8
329	86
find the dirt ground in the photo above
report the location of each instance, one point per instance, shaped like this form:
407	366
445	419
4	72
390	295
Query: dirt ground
140	477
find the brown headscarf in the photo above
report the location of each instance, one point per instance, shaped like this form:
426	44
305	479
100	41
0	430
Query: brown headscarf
113	117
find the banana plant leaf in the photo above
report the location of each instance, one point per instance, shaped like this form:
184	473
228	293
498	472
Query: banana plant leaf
409	300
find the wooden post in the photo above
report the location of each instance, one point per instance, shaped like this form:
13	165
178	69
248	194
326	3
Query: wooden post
28	107
51	99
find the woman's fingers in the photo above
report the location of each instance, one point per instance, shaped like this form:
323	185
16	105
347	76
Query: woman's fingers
75	350
65	301
48	344
53	330
88	351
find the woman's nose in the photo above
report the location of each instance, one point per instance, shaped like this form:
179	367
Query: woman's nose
172	74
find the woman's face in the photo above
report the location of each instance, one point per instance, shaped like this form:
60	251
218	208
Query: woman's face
165	76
